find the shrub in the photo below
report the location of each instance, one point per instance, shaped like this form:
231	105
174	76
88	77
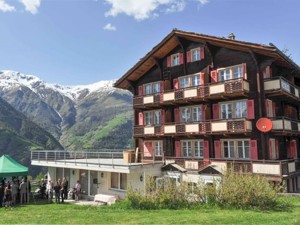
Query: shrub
244	190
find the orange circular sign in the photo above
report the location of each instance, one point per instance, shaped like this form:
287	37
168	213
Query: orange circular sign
264	124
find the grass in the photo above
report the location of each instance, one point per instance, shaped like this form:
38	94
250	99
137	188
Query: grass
43	213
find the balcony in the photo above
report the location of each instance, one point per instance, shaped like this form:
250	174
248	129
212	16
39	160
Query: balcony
279	87
211	127
284	126
225	89
274	168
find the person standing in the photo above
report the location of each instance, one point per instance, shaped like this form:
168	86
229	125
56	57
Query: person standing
78	190
23	191
57	189
8	195
65	188
49	190
2	188
14	191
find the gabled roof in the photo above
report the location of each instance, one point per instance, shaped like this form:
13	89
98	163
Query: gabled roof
210	169
172	40
173	167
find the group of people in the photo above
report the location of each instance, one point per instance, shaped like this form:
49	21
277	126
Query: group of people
14	191
59	189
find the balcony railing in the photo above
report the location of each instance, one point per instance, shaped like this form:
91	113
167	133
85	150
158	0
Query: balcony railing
209	91
277	168
280	86
284	125
207	127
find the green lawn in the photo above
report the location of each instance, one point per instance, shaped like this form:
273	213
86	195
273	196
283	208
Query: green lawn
42	213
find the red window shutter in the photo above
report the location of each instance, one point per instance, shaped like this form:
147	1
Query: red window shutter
288	149
148	149
162	87
201	53
270	71
141	90
188	56
217	145
277	148
141	118
177	149
214	76
270	149
293	147
162	115
201	78
175	83
267	108
216	111
169	61
250	109
205	149
176	115
274	109
244	71
253	150
180	58
203	113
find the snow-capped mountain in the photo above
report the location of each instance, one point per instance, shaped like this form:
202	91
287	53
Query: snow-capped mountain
11	79
75	115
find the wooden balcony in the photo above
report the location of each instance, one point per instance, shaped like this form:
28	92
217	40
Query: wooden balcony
284	126
220	90
272	168
211	127
281	88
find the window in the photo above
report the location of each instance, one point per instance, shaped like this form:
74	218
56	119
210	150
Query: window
195	54
239	149
152	117
118	181
229	73
158	148
175	59
189	81
187	148
192	148
285	86
152	88
191	114
232	110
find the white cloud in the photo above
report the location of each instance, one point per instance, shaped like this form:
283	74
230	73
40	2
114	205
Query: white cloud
143	9
109	27
203	2
4	7
31	5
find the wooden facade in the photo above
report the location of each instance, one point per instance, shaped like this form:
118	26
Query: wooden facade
197	99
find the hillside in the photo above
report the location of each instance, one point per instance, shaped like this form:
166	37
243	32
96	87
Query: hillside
79	117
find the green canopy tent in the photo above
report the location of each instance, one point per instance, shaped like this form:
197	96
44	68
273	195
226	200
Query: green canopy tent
9	167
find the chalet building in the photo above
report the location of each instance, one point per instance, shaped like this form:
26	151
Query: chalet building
197	100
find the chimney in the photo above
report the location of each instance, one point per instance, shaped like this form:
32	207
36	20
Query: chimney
231	36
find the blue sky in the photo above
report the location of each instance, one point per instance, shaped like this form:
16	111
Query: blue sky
75	42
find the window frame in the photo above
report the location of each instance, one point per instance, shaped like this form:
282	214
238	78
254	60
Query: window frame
234	109
235	153
158	151
191	118
190	81
198	56
120	185
231	72
190	151
175	59
152	117
151	90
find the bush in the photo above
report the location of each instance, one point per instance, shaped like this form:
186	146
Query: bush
238	190
244	190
